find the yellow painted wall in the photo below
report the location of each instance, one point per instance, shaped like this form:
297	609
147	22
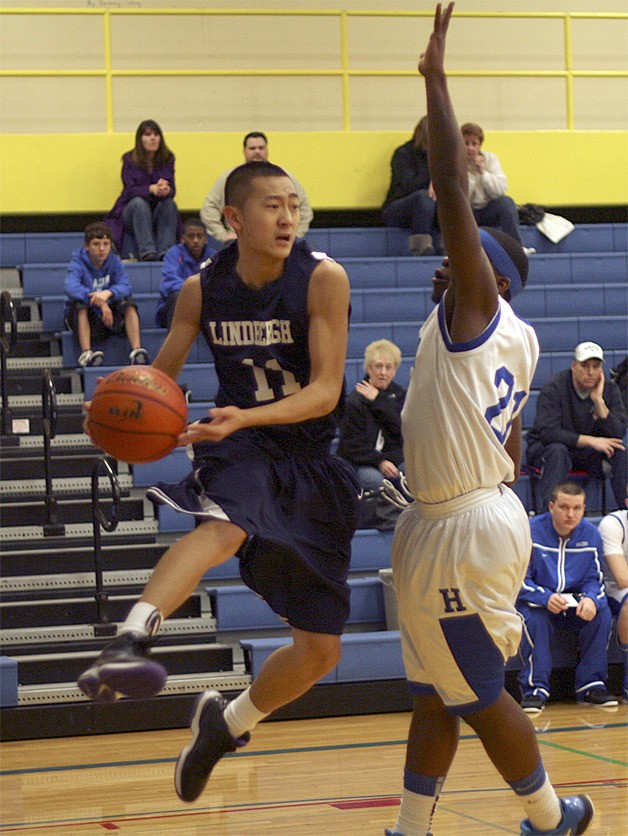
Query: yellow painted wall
75	172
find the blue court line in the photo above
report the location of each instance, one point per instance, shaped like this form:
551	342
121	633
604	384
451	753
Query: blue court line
303	749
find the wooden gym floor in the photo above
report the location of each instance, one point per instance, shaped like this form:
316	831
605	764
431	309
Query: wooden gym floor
330	776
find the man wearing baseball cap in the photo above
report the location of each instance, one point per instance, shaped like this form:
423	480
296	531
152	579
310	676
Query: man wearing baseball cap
580	423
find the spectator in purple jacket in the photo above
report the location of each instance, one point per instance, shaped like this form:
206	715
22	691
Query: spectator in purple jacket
180	262
99	301
146	207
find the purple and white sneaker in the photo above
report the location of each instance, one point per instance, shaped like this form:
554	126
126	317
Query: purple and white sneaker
124	668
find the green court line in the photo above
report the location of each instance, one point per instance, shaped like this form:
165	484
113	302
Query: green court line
580	752
302	749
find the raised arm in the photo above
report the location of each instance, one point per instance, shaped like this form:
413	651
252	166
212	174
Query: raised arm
474	290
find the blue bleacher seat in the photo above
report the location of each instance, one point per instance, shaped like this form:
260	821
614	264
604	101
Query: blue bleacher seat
48	279
12	249
365	656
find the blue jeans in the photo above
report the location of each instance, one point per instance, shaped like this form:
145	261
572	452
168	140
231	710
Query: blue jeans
555	460
416	211
501	213
372	478
153	227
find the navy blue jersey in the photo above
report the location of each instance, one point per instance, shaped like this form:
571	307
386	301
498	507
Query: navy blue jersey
259	339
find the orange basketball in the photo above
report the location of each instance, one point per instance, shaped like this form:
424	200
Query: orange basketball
136	414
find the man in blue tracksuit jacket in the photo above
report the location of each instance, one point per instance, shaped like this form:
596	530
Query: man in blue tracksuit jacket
564	588
180	262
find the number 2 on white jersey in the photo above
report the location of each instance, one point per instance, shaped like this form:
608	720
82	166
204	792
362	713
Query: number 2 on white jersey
507	403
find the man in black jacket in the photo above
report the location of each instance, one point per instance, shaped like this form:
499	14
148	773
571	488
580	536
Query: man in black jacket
580	423
370	431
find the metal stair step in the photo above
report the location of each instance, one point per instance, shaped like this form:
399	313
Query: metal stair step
68	611
37	559
29	534
67	511
24	381
15	727
173	631
33	490
78	639
61	466
47	668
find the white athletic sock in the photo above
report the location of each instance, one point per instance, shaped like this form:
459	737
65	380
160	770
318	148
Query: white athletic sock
241	715
539	799
414	814
144	619
418	803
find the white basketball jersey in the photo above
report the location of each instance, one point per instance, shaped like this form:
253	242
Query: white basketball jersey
461	403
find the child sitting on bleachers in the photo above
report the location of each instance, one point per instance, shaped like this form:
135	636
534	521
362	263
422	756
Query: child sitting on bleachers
99	301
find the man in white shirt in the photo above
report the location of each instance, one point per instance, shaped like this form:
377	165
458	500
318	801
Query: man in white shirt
255	148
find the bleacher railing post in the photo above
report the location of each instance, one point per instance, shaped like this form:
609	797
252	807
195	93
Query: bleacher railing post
103	625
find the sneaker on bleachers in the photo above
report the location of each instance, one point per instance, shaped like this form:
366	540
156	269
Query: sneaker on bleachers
533	703
139	357
600	697
529	250
577	810
91	358
124	668
211	739
397	494
421	244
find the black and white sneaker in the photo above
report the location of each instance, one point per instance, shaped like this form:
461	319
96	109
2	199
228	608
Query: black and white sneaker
211	740
91	358
533	703
398	495
124	668
600	697
139	357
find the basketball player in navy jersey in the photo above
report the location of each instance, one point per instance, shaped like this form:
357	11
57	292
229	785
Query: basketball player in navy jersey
460	551
264	484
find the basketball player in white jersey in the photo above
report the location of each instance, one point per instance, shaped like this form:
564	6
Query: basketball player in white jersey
461	550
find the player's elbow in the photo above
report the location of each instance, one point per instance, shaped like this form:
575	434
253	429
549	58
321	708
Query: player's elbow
327	402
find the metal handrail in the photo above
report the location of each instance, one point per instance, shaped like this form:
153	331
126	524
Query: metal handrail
49	430
8	316
344	71
103	625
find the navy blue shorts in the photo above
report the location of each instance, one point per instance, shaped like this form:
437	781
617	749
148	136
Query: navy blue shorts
299	511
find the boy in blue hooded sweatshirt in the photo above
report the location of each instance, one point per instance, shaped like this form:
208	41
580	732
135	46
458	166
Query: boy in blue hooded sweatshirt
183	260
99	299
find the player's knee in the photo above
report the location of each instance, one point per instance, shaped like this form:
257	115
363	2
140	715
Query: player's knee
320	654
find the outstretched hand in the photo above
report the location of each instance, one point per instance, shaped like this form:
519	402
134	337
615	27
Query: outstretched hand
224	421
433	59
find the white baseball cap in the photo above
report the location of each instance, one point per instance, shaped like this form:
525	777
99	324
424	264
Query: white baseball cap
588	351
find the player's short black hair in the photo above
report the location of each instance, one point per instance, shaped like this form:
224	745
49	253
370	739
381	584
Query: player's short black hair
515	252
238	185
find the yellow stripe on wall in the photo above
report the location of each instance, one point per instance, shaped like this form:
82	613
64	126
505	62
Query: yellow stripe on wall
68	173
